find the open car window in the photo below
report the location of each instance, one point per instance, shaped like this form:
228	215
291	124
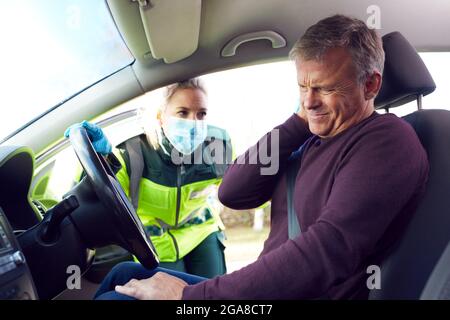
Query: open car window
247	102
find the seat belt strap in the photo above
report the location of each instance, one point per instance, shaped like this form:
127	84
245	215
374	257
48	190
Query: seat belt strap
133	147
291	175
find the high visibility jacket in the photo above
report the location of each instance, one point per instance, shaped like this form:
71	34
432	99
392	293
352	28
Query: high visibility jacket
174	202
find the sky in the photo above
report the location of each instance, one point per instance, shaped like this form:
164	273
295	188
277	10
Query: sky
63	47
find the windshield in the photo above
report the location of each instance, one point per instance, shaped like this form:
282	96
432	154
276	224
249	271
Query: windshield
50	51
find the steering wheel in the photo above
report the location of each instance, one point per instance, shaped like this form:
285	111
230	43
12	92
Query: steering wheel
119	223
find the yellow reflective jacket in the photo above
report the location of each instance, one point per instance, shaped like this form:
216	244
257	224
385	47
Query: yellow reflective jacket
176	201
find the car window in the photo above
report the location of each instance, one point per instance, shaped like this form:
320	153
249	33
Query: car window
246	102
57	49
250	101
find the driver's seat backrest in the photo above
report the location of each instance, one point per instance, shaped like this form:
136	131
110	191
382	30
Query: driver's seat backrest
406	270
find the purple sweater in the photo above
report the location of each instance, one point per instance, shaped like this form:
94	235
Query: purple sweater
354	194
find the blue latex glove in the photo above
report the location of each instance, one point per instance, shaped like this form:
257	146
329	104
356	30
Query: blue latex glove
96	135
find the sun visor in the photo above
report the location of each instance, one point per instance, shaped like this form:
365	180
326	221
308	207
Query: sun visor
172	27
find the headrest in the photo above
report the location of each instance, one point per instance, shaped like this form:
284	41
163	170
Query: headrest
405	76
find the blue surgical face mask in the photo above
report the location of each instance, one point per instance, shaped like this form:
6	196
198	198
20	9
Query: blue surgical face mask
185	135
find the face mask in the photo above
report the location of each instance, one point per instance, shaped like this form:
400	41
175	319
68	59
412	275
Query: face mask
185	135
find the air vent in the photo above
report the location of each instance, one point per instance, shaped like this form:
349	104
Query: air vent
40	207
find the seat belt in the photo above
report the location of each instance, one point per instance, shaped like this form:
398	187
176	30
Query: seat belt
291	175
133	147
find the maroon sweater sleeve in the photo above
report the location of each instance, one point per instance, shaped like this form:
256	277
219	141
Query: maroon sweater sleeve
250	180
375	179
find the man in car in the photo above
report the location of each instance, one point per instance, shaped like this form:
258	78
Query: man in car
361	176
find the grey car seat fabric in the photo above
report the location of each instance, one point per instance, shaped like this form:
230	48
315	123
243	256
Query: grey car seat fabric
406	270
438	285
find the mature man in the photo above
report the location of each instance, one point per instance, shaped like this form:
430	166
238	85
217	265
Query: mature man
360	179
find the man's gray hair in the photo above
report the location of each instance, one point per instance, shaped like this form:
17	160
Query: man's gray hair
364	44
